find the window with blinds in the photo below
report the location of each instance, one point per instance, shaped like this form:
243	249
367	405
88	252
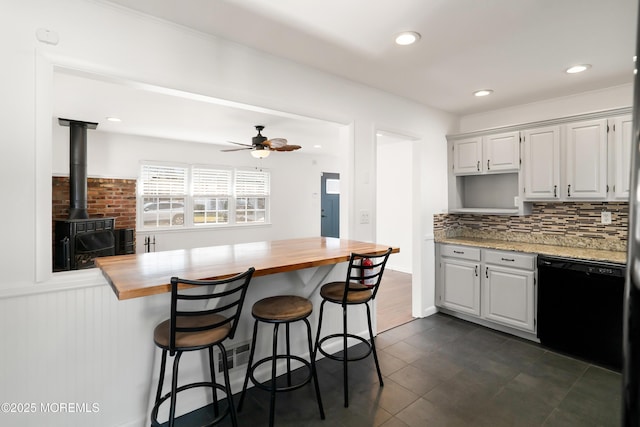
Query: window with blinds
212	192
251	195
163	192
179	196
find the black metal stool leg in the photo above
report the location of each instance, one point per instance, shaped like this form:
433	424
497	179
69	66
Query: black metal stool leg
249	365
174	387
163	365
373	346
315	348
345	361
272	406
212	368
314	373
227	385
288	355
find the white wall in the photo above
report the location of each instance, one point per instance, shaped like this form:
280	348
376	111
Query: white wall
394	200
44	357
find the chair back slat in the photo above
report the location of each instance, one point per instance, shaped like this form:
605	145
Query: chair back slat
224	297
365	273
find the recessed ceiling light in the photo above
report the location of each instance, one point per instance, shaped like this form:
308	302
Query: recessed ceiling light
317	146
483	92
407	38
577	68
113	119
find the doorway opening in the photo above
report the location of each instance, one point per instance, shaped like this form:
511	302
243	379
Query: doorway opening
330	205
394	219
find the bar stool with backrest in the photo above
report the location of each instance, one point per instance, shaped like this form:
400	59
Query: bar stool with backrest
277	310
193	328
364	274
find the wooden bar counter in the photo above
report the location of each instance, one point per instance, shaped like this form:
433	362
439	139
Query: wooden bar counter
139	275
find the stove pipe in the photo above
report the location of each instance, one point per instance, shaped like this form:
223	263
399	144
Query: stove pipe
77	166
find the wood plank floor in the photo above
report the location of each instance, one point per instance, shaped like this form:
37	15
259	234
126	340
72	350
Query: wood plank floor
394	300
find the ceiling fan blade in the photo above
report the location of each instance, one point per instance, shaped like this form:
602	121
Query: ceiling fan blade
275	143
240	143
287	148
238	149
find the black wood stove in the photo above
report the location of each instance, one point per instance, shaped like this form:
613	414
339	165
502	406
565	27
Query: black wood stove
80	239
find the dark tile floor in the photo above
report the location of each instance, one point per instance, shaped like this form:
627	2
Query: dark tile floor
441	371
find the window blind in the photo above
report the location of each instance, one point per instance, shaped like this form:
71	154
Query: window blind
252	183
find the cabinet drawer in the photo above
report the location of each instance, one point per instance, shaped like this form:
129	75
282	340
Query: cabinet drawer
462	252
510	259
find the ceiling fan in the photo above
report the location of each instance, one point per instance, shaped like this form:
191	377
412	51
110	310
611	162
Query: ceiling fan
261	146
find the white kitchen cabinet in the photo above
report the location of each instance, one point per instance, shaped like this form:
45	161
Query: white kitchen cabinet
508	289
467	156
622	137
541	163
487	286
501	152
460	279
586	160
497	153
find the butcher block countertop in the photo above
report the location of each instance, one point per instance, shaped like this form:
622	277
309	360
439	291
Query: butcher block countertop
139	275
562	251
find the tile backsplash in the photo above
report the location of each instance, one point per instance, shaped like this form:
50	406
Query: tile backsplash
565	224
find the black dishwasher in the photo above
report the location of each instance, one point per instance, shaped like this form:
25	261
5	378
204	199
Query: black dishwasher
580	308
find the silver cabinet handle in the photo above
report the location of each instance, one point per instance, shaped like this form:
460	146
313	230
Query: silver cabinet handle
478	166
486	273
459	252
476	269
569	190
508	259
488	167
555	191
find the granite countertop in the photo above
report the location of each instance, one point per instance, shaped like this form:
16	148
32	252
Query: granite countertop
536	248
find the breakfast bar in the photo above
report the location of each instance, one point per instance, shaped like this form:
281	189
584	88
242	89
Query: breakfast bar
138	275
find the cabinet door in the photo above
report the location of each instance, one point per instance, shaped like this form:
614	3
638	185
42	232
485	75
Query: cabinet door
622	138
509	297
460	286
467	156
586	165
501	152
541	163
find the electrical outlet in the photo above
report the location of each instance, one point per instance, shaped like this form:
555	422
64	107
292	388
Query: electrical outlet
605	217
364	217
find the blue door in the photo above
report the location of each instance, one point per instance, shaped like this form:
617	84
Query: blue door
330	205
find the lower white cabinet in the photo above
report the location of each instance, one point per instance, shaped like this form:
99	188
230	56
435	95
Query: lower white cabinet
497	286
461	286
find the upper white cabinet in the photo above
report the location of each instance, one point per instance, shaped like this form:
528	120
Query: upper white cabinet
622	128
497	153
467	156
501	152
586	160
541	163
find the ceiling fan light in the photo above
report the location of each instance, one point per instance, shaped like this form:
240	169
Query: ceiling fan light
260	154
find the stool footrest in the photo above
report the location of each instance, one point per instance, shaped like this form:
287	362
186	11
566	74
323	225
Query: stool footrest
341	358
204	416
269	359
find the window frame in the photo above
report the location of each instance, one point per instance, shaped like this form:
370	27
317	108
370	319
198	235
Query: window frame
190	198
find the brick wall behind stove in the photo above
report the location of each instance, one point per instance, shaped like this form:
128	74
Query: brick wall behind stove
106	197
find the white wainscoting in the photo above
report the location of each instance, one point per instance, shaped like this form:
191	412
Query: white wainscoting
73	343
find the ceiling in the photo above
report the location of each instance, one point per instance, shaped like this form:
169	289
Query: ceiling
518	48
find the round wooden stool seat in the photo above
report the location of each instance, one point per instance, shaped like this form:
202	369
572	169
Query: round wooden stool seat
334	292
283	308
